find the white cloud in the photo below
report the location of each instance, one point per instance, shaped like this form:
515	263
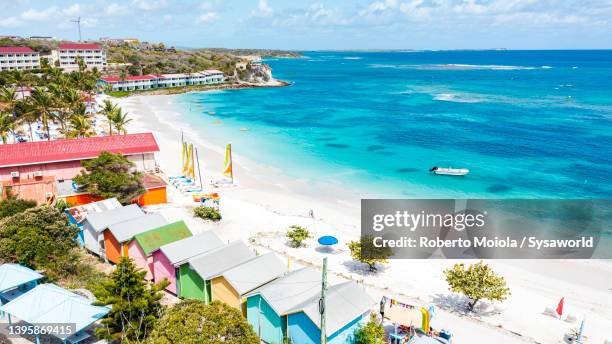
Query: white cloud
168	18
73	10
39	15
89	22
10	22
262	10
150	5
115	9
208	17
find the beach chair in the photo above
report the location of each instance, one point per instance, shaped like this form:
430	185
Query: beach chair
550	311
571	318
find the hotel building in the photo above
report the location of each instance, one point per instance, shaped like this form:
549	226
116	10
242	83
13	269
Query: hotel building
20	58
145	82
92	54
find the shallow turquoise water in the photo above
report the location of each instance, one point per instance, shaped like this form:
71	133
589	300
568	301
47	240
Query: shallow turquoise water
526	123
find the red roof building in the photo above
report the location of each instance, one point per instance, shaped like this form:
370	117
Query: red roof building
22	164
112	79
16	50
79	46
19	58
91	54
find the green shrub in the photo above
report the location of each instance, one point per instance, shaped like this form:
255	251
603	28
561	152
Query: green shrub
297	234
193	321
207	213
12	206
372	332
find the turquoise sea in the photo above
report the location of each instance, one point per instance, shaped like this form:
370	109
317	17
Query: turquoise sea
528	124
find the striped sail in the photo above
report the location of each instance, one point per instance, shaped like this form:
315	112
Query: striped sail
227	167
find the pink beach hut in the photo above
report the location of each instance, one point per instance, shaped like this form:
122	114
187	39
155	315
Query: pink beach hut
144	244
168	258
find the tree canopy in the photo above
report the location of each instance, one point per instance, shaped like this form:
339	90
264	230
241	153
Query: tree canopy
111	175
41	238
371	332
365	252
477	282
135	304
11	205
192	322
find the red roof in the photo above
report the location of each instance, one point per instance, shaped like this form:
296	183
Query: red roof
16	50
80	46
135	77
30	153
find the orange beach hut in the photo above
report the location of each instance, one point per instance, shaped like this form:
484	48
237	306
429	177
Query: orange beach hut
118	236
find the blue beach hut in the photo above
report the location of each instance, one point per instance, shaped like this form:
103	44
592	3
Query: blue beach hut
16	279
267	306
48	303
346	305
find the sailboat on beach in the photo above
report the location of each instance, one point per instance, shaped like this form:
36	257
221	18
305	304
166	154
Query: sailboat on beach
228	169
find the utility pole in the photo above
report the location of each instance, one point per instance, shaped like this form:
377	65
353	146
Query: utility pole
78	21
322	302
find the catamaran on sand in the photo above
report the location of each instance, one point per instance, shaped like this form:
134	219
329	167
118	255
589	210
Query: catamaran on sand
449	171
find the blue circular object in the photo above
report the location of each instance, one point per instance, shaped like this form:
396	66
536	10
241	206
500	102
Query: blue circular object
328	240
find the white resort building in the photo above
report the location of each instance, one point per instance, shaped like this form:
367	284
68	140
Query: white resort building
18	58
146	82
92	54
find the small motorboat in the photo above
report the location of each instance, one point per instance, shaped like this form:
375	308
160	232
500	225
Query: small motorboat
449	171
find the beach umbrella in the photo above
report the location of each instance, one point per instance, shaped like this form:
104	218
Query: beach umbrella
328	240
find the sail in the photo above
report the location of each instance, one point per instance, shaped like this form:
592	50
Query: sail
227	167
185	159
190	165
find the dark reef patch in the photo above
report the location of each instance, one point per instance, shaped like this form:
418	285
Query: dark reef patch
337	145
406	170
373	148
498	188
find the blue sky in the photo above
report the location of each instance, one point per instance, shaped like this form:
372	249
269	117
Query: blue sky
300	24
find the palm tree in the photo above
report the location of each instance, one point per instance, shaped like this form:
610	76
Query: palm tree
8	97
80	126
120	120
108	110
7	125
24	113
21	78
43	104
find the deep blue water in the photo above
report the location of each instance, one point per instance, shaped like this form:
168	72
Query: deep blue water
526	123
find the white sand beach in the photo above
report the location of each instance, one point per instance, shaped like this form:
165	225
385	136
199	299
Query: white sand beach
266	202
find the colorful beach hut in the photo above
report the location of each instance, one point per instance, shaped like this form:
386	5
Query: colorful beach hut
141	248
268	306
95	224
346	304
168	258
50	304
16	279
231	286
76	215
117	236
195	277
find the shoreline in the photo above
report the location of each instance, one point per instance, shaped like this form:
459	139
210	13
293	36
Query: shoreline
266	202
200	88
